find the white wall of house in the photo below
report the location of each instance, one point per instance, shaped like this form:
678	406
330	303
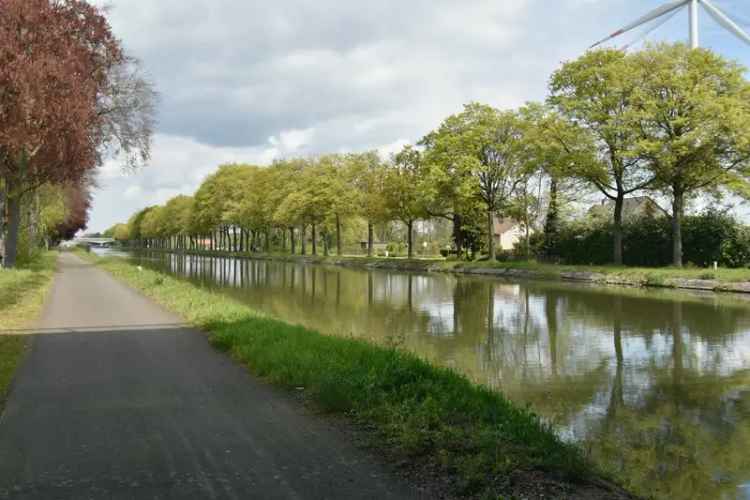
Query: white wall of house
509	238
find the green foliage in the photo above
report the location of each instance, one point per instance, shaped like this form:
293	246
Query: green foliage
135	223
692	108
666	119
710	236
480	151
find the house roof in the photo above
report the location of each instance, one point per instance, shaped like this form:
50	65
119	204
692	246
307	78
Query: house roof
503	225
634	207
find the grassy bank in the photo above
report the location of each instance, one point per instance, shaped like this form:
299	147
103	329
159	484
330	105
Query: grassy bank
22	294
644	275
422	414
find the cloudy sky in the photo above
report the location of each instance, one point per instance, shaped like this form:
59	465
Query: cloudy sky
252	80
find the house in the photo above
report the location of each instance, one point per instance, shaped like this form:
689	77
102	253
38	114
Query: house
507	233
633	208
377	246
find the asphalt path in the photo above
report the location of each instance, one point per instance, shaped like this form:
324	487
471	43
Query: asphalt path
119	400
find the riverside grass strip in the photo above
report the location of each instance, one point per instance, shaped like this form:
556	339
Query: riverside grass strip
22	294
429	415
23	290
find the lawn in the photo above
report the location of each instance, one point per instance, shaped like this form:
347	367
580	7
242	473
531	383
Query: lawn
22	294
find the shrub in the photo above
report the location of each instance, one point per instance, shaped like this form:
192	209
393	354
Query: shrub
735	251
703	236
706	237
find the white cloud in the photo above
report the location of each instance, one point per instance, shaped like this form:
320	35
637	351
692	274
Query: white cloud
251	81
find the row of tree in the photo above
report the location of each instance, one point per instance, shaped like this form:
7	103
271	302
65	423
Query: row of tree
668	119
69	97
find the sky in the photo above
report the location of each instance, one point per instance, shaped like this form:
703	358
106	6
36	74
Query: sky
253	80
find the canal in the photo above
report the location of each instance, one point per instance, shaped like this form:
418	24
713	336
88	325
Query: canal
653	384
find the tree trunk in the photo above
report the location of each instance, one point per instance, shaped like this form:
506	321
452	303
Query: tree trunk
303	239
14	224
314	240
292	241
338	235
325	244
410	238
268	241
678	207
491	236
551	225
617	229
458	237
370	243
2	224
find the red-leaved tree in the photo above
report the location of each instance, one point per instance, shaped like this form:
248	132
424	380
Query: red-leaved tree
77	204
56	58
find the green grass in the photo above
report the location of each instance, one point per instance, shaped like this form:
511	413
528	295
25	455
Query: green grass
646	275
22	291
12	349
22	294
430	415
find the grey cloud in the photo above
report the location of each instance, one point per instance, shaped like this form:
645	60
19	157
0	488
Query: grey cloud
235	73
239	78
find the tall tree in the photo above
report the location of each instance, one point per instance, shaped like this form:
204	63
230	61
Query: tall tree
61	78
484	144
368	175
692	109
448	189
557	149
402	195
595	92
339	188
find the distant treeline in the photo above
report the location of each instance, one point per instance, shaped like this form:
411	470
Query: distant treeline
667	120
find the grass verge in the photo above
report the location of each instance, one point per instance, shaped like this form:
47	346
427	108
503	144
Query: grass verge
430	415
646	275
22	294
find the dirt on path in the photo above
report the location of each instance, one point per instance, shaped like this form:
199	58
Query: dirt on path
119	399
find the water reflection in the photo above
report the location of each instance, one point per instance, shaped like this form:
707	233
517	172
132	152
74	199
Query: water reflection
654	384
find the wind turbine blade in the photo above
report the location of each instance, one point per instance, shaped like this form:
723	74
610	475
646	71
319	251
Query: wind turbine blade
657	12
653	28
725	22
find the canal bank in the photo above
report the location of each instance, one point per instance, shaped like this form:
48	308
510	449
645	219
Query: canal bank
720	280
426	418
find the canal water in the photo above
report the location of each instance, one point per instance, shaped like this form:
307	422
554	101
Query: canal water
653	384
